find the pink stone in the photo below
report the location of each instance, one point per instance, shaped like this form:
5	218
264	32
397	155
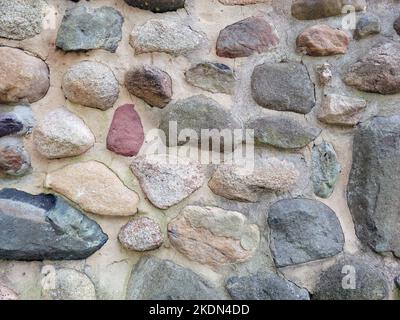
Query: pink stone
126	135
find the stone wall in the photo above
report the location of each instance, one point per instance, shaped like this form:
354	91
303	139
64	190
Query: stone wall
84	83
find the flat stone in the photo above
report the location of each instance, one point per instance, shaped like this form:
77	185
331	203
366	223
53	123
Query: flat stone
341	110
322	40
141	234
213	236
248	36
325	169
94	188
151	84
352	278
7	294
156	279
45	227
14	159
303	230
85	28
374	184
157	6
282	132
166	179
367	25
212	76
283	87
165	36
378	71
62	134
22	77
91	84
264	286
246	184
16	120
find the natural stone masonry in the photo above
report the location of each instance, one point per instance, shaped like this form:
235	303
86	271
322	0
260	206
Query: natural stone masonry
94	188
303	230
14	159
213	236
16	120
156	279
45	227
374	184
7	293
157	6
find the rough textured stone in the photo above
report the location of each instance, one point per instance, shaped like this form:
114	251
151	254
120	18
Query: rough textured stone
325	169
157	6
264	286
91	84
248	36
246	184
95	188
22	76
69	285
322	40
378	71
141	234
370	283
341	110
14	159
212	76
167	180
303	230
7	293
62	134
213	236
165	36
374	186
283	87
366	26
16	120
282	132
45	227
151	84
324	72
156	279
84	28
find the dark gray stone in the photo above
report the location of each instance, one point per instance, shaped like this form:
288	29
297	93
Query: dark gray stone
374	184
157	6
156	279
367	25
264	286
397	282
45	227
16	120
303	230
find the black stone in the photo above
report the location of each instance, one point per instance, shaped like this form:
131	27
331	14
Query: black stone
157	6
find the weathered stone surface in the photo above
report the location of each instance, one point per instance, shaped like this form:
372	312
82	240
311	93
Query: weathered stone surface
165	36
91	84
322	40
341	110
212	76
366	26
69	285
141	234
374	184
21	19
84	28
16	120
213	236
282	132
7	293
283	87
378	71
317	9
156	279
157	6
14	159
22	77
248	36
166	179
62	134
45	227
368	284
246	184
264	286
303	230
324	72
95	188
151	84
325	169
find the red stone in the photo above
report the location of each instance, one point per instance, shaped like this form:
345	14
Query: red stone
126	135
